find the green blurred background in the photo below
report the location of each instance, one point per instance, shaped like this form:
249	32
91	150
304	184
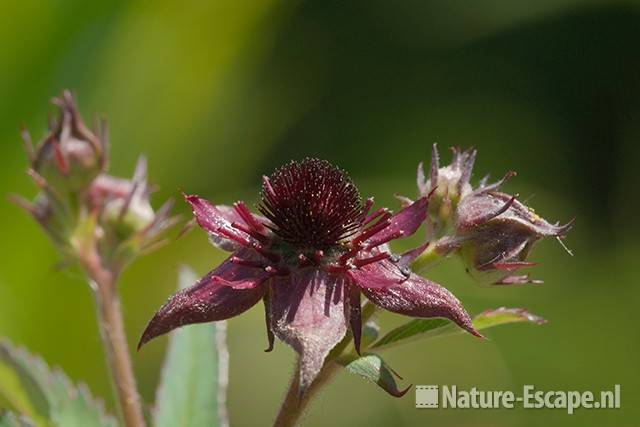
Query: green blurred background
218	93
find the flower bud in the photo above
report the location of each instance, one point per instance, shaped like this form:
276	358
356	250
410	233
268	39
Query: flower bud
496	235
123	205
448	186
125	215
71	156
491	231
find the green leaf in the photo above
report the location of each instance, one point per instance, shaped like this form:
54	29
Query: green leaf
20	388
46	397
416	328
373	368
192	389
422	328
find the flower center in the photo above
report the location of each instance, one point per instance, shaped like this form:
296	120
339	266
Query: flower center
311	204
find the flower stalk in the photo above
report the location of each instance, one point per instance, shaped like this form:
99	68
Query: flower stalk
103	282
295	404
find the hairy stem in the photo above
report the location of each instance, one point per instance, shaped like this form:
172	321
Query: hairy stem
103	283
293	406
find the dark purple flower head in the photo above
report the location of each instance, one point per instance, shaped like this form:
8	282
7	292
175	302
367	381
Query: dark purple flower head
317	249
311	204
492	231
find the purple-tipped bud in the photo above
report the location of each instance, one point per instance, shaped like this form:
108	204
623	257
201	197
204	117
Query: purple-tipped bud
122	202
497	234
70	156
124	210
492	231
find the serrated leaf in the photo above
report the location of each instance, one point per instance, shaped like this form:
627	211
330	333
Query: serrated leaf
20	388
422	328
373	368
9	419
192	391
47	397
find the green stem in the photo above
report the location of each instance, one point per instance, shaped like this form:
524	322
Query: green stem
430	257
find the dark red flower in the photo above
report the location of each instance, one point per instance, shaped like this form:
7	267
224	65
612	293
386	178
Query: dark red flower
312	255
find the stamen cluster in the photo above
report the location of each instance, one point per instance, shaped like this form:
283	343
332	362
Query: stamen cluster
311	203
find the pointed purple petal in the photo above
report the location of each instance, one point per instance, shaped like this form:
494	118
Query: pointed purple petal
214	218
419	297
206	301
405	222
307	313
380	274
233	274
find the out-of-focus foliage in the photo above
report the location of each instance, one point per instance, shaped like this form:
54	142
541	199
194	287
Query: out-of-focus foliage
423	328
218	93
193	386
44	396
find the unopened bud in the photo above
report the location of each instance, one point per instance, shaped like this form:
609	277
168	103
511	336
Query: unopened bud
123	204
448	185
497	234
491	231
126	222
70	156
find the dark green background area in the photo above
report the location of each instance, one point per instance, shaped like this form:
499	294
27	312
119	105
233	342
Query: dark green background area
218	93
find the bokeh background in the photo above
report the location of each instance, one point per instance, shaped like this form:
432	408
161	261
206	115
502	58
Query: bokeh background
218	93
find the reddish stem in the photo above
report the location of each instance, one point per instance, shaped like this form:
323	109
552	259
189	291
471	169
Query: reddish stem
103	282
